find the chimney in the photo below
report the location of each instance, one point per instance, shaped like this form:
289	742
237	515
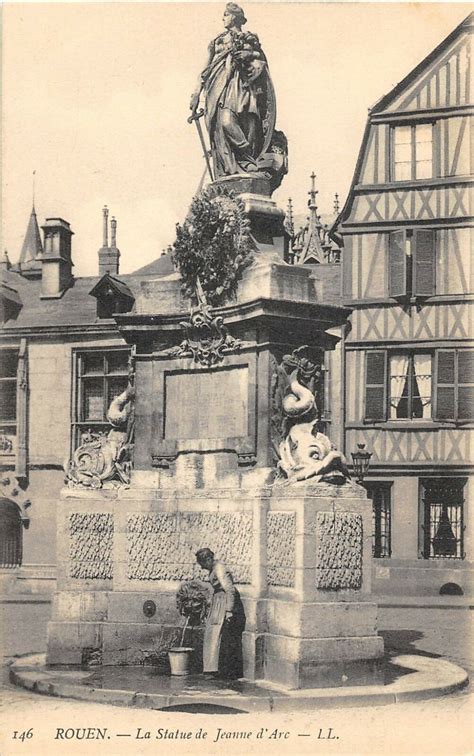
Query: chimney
109	256
105	227
57	263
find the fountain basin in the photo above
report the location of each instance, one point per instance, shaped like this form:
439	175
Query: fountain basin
419	677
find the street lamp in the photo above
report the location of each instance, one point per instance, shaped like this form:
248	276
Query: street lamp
361	462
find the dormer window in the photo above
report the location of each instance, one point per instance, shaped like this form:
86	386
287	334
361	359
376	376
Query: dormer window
113	296
412	152
10	302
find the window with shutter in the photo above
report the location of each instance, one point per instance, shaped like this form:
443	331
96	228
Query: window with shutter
397	275
375	385
455	384
465	380
424	254
347	269
445	384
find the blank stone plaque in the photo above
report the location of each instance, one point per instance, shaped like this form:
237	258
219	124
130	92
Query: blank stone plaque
207	404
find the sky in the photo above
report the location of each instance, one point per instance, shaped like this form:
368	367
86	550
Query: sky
96	97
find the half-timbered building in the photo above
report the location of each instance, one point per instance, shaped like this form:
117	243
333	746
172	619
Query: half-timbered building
407	236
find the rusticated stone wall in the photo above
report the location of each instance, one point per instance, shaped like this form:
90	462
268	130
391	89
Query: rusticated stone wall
281	530
339	551
162	545
91	536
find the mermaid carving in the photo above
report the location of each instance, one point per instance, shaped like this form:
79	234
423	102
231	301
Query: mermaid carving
304	452
105	459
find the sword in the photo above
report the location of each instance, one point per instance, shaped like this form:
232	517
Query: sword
195	117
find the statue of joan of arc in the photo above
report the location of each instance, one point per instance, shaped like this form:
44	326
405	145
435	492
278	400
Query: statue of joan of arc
239	100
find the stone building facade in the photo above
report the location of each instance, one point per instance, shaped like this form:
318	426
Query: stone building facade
62	362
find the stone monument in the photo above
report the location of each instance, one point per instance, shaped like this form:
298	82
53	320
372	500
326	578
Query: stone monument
217	441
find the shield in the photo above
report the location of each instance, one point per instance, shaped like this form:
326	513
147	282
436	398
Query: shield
268	113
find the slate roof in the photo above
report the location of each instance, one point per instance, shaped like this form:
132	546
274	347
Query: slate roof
75	308
162	266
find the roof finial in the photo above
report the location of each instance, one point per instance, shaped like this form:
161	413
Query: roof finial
32	247
336	204
33	192
314	218
105	213
312	251
312	192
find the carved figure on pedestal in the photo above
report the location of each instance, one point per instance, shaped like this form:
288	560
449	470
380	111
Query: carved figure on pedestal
303	452
105	459
306	453
240	107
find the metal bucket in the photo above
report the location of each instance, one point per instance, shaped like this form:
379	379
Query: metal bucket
179	657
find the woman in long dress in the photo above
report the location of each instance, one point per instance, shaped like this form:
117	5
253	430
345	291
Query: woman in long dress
222	649
239	98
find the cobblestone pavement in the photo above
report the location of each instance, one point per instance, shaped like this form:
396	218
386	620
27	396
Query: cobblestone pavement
439	726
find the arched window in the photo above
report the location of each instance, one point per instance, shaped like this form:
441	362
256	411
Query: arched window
11	534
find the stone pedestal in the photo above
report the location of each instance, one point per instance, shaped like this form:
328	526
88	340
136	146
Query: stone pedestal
300	557
266	218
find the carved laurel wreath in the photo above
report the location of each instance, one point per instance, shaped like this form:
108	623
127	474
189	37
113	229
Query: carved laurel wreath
213	245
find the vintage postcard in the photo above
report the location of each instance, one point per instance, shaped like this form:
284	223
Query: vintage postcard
236	378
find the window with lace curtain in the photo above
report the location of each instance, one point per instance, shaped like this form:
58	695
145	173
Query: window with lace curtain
100	377
410	386
398	385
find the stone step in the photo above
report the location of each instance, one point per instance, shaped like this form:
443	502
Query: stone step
425	602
